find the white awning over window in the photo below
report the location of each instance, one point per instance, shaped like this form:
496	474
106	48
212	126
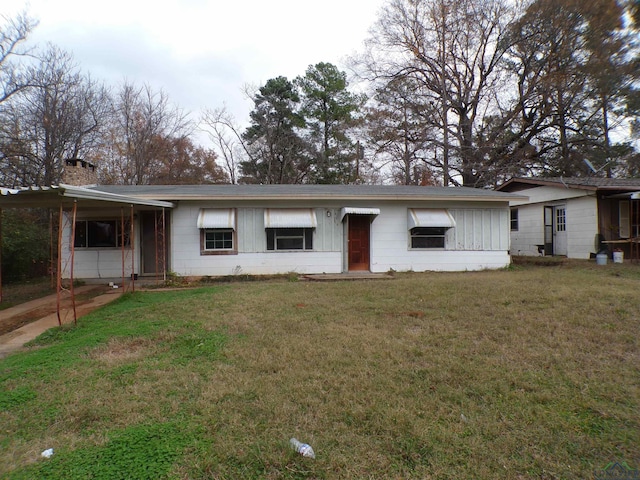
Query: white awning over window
358	211
430	217
290	218
217	218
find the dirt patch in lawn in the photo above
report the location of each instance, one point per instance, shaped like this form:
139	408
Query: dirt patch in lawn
46	306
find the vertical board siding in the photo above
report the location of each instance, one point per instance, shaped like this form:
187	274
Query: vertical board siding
479	230
250	233
480	240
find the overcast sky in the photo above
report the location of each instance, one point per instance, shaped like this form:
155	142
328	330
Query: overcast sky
201	52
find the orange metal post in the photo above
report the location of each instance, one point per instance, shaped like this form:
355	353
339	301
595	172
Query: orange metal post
52	269
122	242
72	243
59	267
155	234
0	255
164	246
131	247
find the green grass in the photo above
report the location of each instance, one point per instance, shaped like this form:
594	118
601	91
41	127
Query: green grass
531	372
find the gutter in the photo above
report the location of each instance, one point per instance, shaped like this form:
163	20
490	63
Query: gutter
444	198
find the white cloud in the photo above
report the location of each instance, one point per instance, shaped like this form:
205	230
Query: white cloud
201	52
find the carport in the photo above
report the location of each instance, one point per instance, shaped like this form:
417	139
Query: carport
64	201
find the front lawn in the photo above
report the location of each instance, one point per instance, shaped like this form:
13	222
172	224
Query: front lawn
532	372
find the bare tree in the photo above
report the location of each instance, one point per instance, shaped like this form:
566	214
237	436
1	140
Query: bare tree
60	116
142	120
183	163
573	69
13	33
400	129
452	50
225	134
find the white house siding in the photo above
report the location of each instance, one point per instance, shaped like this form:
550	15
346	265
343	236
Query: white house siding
98	263
480	229
252	256
581	221
480	240
530	233
582	227
90	263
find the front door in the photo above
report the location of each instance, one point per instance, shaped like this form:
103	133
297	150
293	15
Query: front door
560	230
359	231
154	250
555	230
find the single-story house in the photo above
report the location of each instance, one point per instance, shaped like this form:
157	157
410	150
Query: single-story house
217	230
575	217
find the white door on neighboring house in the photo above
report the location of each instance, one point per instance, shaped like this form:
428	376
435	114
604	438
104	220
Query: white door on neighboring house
559	230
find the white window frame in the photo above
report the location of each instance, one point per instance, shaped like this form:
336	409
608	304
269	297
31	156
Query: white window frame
273	235
217	231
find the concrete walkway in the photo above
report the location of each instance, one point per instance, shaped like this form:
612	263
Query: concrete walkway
15	340
336	277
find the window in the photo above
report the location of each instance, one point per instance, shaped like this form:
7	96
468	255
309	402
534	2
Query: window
561	220
428	227
218	239
290	228
289	238
428	237
101	234
514	219
217	231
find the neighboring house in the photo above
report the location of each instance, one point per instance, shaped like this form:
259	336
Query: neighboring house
219	230
574	217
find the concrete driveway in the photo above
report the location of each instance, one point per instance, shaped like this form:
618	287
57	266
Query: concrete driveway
15	340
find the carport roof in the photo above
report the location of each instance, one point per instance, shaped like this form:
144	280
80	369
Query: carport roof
66	195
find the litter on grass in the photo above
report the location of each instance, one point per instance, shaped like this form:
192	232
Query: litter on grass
48	453
303	449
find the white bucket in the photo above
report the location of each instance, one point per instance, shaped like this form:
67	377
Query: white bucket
618	257
601	259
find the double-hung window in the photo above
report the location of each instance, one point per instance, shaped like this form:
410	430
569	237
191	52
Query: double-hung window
289	228
428	228
217	231
218	239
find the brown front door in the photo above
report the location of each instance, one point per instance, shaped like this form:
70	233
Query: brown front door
359	229
154	248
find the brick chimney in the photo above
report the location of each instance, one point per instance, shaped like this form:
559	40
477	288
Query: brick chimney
79	173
